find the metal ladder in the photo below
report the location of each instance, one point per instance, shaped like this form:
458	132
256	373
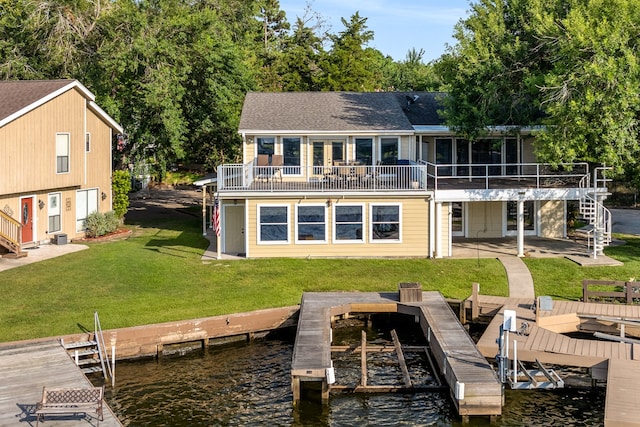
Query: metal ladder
91	355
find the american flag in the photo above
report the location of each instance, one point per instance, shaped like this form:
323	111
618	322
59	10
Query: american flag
215	217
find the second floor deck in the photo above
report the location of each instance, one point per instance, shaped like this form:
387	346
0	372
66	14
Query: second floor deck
417	177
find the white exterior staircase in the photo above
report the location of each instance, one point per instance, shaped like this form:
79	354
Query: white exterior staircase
592	210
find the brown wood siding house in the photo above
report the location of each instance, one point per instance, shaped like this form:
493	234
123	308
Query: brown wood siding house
55	159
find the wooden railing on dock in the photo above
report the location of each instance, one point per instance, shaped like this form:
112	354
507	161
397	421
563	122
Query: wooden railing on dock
629	294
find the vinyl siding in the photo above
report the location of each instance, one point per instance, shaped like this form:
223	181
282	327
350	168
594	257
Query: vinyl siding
414	231
552	219
485	219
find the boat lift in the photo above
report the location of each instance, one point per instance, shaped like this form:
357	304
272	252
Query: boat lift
518	377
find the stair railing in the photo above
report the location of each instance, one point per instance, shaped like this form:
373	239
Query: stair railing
102	350
592	209
10	232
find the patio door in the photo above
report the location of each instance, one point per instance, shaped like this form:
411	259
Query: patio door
457	219
325	153
511	214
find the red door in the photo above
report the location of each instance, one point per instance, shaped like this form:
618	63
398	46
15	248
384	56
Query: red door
26	212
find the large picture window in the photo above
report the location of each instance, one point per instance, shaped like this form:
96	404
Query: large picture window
311	223
62	152
385	223
86	204
273	224
55	217
291	154
348	223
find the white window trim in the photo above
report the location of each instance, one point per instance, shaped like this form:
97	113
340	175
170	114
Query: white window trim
259	240
326	225
68	134
385	241
59	197
86	190
364	224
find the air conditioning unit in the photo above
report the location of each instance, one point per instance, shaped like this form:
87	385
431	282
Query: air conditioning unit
60	239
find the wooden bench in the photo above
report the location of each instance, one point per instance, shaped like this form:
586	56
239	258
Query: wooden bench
60	401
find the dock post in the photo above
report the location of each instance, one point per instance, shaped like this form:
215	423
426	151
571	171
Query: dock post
475	291
295	388
325	391
363	359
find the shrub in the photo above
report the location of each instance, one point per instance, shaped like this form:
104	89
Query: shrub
99	224
120	185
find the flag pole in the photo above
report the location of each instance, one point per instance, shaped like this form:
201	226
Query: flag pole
216	225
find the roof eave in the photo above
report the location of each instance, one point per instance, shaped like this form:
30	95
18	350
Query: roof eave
73	84
107	118
326	132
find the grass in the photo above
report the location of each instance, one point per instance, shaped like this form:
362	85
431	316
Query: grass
562	279
157	275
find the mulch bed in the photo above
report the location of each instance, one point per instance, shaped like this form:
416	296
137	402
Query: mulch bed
119	234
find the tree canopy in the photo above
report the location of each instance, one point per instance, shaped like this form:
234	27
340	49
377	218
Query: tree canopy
174	72
568	65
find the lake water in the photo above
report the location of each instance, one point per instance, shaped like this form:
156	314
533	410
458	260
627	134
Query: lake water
249	385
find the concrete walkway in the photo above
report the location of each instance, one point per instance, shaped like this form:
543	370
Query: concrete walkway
519	277
40	253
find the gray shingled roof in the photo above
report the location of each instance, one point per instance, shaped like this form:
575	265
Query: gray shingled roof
18	94
335	111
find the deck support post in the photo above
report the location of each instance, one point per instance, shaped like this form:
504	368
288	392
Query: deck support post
520	221
438	230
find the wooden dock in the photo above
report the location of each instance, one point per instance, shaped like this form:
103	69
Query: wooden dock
617	362
25	370
473	384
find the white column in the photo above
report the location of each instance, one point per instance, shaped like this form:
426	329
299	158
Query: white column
432	228
520	221
438	230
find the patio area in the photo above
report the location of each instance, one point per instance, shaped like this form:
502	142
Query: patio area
534	247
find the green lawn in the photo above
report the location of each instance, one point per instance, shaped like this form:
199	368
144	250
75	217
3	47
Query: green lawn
157	275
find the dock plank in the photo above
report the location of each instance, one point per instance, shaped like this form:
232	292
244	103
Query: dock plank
623	393
26	369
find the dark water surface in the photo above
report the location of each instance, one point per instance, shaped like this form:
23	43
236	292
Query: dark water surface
249	384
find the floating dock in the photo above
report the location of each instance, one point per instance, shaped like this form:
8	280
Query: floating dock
544	339
25	370
473	384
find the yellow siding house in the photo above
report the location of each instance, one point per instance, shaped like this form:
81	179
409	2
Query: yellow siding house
347	174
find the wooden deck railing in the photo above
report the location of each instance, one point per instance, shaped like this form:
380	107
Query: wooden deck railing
10	232
628	293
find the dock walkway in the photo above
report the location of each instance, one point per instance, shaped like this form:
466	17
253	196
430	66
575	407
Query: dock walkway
25	370
474	386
